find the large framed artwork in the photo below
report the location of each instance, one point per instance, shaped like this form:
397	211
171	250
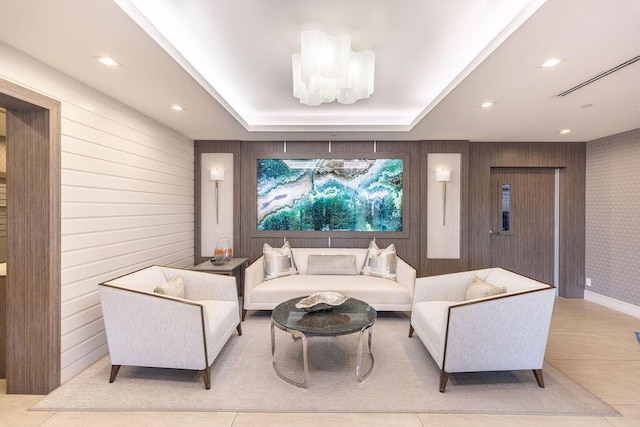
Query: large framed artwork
310	195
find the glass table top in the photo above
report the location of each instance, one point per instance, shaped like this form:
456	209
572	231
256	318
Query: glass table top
347	318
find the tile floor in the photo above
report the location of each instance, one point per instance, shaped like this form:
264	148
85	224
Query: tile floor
592	344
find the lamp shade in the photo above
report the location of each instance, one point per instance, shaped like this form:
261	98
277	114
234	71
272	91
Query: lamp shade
216	174
443	175
326	69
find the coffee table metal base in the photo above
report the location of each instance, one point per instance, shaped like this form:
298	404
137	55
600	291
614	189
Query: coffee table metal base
299	335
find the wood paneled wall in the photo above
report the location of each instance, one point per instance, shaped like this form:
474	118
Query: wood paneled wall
570	159
477	161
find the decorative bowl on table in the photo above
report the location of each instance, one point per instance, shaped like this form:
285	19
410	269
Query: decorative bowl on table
217	261
325	300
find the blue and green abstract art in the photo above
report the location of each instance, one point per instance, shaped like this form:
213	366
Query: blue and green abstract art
329	194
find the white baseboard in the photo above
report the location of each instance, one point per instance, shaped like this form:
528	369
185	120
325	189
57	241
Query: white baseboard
621	306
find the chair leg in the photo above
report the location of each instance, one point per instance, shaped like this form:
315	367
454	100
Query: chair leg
538	374
444	377
114	372
239	328
206	376
244	314
410	331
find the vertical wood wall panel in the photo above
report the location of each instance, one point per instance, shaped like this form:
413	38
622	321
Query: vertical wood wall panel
570	158
475	198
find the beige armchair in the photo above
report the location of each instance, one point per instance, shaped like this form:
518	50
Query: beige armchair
494	333
145	328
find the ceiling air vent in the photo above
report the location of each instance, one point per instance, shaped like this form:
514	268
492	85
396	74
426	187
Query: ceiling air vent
599	76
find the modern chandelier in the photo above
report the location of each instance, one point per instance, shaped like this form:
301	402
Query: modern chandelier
326	69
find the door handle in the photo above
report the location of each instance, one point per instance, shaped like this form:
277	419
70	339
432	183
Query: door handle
491	232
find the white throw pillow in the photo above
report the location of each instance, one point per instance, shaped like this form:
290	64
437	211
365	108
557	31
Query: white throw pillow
380	262
278	262
332	264
173	288
478	288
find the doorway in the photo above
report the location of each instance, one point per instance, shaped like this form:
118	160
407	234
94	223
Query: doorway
33	240
523	221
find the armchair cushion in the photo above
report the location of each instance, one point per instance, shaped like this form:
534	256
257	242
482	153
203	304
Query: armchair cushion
173	288
478	288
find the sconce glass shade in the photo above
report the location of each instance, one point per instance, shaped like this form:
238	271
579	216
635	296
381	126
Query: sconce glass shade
326	69
443	175
216	174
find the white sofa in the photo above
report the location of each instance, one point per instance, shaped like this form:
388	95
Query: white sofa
145	328
495	333
381	293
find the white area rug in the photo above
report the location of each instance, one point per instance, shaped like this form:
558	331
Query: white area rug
404	379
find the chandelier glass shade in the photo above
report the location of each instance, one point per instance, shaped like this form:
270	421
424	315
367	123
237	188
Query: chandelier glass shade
326	70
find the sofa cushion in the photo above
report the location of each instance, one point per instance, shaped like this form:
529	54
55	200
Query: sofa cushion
478	288
380	262
301	256
278	262
173	288
366	288
332	264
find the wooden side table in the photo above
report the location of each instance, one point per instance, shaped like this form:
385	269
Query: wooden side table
234	268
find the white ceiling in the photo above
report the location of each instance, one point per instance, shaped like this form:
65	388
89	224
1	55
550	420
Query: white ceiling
229	64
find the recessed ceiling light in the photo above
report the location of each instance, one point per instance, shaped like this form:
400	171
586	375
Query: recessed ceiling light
565	131
551	62
177	107
108	61
487	104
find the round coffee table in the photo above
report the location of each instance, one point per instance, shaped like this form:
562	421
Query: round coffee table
350	317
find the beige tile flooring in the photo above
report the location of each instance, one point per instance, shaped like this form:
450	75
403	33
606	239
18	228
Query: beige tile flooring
592	344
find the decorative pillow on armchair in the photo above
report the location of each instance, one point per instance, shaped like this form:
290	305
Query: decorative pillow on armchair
380	262
478	288
278	262
173	288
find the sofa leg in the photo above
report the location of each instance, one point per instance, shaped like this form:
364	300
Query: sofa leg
410	331
538	374
114	372
239	328
244	314
444	377
206	376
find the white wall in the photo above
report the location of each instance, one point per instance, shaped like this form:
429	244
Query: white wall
443	225
127	199
212	231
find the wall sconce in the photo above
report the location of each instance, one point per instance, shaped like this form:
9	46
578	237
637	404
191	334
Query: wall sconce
216	175
443	176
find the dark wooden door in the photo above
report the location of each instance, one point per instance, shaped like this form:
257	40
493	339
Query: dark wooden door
523	219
